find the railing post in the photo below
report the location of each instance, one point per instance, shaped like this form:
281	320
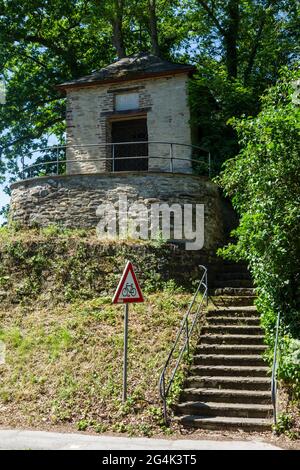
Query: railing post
187	337
171	158
57	161
23	167
206	293
164	399
113	158
274	372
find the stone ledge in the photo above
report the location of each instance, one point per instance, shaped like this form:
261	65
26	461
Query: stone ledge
111	174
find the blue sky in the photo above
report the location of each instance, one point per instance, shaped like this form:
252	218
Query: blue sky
4	198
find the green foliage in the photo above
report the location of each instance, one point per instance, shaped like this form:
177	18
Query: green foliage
263	182
100	428
284	423
82	425
239	46
176	387
289	365
69	265
214	99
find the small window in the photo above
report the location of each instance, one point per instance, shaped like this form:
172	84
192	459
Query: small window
127	101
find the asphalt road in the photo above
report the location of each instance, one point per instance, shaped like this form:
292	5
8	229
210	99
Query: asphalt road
41	440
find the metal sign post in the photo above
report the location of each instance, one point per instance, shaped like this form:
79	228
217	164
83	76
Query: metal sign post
125	352
128	291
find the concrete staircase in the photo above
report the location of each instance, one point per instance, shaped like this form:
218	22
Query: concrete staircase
229	385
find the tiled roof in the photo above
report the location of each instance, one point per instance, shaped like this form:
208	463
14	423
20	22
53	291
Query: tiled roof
135	66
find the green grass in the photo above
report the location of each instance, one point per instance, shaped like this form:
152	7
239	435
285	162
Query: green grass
64	338
64	363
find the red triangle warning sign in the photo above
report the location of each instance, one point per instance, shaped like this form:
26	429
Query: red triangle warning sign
128	289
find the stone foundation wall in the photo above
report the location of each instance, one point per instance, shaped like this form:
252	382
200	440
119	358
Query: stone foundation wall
72	200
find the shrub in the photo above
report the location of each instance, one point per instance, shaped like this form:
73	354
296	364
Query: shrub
264	184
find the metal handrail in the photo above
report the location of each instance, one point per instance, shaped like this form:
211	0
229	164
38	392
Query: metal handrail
111	144
274	372
185	330
171	158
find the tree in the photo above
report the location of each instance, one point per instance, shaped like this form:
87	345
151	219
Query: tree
264	184
241	46
238	46
252	39
117	26
153	27
43	44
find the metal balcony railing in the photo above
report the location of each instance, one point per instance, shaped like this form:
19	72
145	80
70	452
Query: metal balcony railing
149	156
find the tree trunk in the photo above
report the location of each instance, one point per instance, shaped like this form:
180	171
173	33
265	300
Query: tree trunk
256	42
229	29
231	37
118	40
153	27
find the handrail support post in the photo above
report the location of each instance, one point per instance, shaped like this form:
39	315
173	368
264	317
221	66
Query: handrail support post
57	161
113	158
274	372
23	167
187	337
164	400
206	292
171	158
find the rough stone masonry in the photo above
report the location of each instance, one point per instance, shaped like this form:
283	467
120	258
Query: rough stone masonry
72	200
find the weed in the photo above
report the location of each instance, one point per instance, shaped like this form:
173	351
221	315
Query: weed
100	427
145	429
82	425
284	423
121	427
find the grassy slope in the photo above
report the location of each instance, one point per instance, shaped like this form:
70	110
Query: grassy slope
64	338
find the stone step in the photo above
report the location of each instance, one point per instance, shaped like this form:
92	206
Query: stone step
242	311
232	329
238	410
231	339
224	423
223	382
228	283
236	291
230	349
218	320
226	396
229	360
230	300
228	370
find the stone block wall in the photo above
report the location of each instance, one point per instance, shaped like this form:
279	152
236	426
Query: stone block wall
91	110
72	200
